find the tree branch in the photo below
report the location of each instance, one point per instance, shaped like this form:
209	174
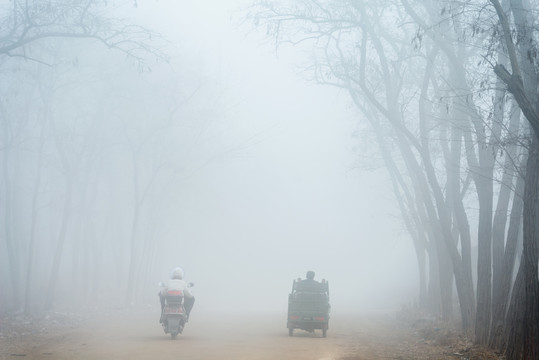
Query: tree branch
33	21
516	87
514	81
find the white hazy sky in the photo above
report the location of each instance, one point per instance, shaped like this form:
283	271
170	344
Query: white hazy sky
288	200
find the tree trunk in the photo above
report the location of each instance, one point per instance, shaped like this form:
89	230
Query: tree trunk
130	291
455	199
523	331
66	217
53	280
463	281
501	302
504	252
409	211
484	262
33	223
11	244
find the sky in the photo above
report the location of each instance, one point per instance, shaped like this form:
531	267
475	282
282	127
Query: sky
277	191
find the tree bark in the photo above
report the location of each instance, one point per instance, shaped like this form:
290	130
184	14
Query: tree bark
11	244
131	276
66	217
523	320
33	223
504	248
501	303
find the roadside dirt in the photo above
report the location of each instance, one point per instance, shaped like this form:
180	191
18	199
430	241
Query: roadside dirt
138	336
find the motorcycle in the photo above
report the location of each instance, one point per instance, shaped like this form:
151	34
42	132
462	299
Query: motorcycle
173	315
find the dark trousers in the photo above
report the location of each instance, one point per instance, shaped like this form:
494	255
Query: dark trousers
188	303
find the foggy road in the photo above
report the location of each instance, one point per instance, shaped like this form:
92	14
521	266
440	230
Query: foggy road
382	145
129	336
138	336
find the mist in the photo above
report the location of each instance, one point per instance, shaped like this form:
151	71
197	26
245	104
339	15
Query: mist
281	190
388	146
221	157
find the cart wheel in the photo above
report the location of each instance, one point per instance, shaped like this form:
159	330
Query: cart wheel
290	332
324	332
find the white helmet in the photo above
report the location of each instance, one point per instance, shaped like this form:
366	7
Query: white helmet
177	273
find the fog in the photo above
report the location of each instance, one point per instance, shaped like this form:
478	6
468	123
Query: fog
284	193
234	165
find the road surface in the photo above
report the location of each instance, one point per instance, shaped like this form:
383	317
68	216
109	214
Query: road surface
138	336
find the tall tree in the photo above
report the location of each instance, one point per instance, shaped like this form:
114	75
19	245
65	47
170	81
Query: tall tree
358	47
523	332
26	25
360	51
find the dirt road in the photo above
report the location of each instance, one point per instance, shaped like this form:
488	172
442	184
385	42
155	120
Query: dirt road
135	336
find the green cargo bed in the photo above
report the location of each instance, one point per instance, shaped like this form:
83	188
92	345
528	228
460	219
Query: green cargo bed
308	307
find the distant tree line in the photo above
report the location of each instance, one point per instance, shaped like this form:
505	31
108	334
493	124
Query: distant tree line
449	90
92	152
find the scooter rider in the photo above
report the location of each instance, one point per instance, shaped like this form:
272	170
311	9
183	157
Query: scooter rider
176	282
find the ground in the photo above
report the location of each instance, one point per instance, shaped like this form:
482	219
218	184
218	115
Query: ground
137	335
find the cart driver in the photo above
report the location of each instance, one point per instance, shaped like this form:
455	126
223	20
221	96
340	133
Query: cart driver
309	278
309	284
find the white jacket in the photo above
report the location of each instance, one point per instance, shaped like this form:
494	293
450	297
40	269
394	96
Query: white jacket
176	284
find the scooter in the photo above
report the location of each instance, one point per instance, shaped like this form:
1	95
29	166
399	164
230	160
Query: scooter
173	315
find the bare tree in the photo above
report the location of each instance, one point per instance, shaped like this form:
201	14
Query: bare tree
461	124
27	25
28	22
523	324
362	53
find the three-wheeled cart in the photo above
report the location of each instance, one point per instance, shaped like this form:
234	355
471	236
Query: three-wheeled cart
308	306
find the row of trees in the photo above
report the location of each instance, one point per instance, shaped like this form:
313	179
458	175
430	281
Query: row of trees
92	152
453	127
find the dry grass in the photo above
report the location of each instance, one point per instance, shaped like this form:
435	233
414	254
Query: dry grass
447	338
